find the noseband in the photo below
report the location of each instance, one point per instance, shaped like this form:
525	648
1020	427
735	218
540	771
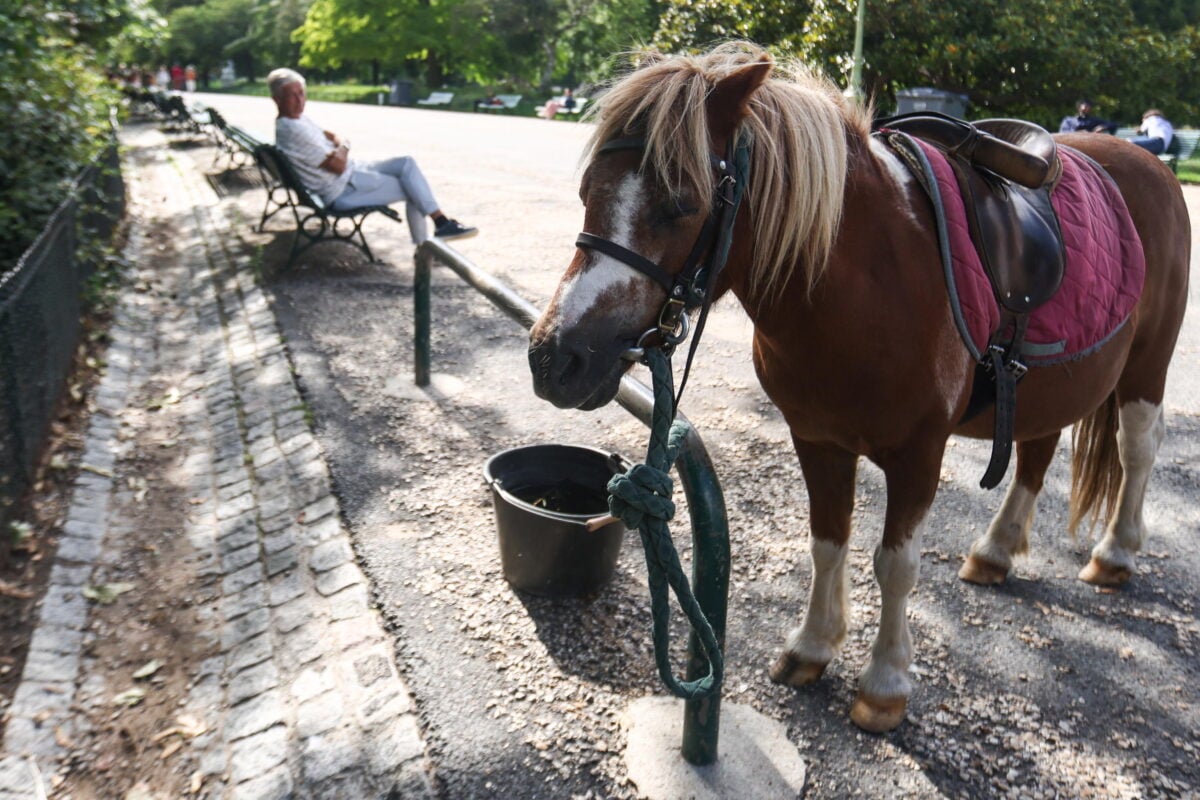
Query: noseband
692	286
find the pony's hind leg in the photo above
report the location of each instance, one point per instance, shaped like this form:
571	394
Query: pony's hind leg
1139	435
884	685
991	556
829	476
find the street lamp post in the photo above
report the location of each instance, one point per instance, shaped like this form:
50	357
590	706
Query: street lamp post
855	88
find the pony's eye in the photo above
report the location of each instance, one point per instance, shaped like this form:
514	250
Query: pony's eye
674	209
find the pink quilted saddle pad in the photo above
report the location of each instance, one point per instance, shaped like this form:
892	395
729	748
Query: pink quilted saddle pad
1105	265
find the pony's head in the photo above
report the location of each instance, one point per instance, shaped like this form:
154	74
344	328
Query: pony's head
650	186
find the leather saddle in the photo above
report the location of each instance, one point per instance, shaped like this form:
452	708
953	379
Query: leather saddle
1006	170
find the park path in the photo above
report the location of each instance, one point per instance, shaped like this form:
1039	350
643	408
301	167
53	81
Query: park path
203	508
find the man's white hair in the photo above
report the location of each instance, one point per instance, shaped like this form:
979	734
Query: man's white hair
280	78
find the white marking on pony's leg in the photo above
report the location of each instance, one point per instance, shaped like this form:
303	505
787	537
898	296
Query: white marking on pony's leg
1141	432
1008	534
818	638
605	273
886	673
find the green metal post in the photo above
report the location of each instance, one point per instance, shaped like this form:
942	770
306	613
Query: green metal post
706	502
710	584
422	323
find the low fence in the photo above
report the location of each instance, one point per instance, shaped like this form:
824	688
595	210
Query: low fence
41	305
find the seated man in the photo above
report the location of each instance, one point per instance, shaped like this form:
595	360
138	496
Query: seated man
322	161
1155	133
1084	121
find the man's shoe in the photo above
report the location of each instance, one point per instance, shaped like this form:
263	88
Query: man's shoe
453	229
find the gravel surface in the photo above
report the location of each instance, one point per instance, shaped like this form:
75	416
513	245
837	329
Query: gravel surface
1044	687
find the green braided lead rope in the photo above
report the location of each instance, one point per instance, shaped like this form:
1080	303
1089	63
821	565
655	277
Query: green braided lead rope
641	498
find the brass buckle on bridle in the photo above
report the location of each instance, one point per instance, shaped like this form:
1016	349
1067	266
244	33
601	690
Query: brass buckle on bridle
668	340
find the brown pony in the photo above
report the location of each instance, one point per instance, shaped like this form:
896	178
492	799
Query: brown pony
835	258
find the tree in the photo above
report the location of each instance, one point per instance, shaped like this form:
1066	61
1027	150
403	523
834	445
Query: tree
209	34
1026	58
55	101
694	24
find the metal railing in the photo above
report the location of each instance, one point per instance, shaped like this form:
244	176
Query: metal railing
41	306
706	502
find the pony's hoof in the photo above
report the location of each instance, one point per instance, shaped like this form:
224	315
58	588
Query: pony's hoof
790	670
1101	574
878	714
984	573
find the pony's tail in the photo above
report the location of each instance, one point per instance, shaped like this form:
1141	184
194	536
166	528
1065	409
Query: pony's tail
1095	466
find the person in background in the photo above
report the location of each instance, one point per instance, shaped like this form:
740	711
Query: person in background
176	77
1155	134
189	77
568	103
162	79
1084	121
322	161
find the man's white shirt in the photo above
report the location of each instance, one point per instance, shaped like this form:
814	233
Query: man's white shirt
304	143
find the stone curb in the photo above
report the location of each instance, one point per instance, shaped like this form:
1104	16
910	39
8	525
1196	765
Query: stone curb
303	689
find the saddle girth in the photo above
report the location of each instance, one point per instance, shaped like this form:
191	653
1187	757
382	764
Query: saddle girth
1006	171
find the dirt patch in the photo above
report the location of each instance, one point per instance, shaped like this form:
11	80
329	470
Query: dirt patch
142	647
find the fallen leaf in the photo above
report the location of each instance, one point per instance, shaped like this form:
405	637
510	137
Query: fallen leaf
101	471
62	739
147	669
171	749
59	461
7	590
169	399
129	697
106	593
197	782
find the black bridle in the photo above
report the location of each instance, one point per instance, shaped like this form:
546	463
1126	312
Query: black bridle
693	286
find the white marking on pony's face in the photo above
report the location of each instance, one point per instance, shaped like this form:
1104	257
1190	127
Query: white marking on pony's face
605	273
896	169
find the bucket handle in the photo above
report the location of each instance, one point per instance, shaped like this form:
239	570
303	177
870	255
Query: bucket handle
615	460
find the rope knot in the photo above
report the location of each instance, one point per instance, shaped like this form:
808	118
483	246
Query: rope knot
640	495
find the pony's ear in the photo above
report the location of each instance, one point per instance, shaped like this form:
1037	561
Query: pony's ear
729	101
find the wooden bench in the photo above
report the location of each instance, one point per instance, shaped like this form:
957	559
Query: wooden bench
233	143
437	99
502	103
285	190
1182	146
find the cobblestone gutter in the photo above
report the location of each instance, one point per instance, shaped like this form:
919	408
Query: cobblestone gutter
300	695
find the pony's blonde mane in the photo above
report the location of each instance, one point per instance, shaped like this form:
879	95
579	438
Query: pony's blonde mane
798	123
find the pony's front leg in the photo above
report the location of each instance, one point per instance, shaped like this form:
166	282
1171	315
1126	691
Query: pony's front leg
992	554
829	476
884	685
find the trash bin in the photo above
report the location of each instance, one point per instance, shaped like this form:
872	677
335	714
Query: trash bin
926	99
402	93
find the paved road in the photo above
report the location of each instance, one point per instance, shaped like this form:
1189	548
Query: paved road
1044	687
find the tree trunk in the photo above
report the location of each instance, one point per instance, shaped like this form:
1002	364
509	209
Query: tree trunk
433	72
550	49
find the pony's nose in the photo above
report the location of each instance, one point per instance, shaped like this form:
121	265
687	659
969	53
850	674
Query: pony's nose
555	364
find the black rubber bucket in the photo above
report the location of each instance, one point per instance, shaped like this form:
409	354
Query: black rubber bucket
543	495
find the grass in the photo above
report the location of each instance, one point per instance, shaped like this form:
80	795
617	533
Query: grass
331	93
1189	171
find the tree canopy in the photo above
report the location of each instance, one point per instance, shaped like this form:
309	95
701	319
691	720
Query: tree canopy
55	101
